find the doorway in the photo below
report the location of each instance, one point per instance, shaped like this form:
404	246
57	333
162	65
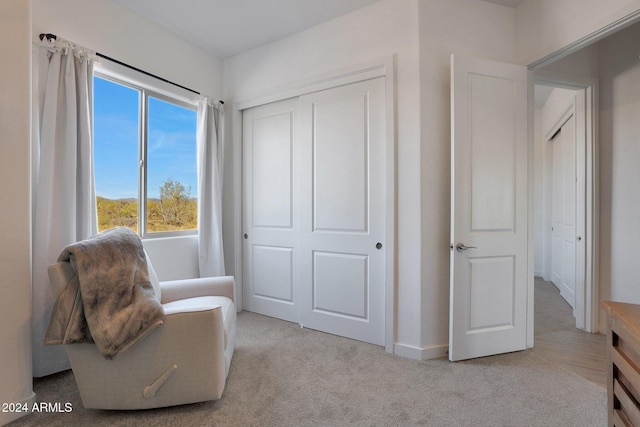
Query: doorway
314	176
564	206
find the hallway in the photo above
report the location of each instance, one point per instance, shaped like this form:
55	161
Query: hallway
557	339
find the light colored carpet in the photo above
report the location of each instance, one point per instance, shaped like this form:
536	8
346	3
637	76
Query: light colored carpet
282	375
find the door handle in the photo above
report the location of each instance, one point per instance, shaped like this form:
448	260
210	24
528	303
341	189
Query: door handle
461	247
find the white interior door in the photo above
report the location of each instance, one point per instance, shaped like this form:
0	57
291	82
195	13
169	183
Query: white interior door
563	232
314	213
342	211
489	225
270	228
557	209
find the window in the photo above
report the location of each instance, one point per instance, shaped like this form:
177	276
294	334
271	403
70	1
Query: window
145	159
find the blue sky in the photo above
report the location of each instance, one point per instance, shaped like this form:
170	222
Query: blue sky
171	142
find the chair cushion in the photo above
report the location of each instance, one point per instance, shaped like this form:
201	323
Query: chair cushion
205	303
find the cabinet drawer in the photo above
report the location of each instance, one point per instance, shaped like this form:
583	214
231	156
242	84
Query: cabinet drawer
623	385
626	368
628	410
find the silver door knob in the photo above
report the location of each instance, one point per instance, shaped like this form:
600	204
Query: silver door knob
461	247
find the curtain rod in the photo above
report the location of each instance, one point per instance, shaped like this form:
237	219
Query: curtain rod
49	37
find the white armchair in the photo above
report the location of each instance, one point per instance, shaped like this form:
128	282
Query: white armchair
185	360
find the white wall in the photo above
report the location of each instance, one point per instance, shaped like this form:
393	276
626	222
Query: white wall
466	27
385	28
545	26
15	198
539	202
421	36
585	62
173	257
113	30
620	166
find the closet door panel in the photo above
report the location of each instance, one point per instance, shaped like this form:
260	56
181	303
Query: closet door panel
270	232
341	245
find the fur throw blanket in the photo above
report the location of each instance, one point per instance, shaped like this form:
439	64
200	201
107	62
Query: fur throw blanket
110	300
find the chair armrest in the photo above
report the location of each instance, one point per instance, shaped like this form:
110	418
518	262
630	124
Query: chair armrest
193	340
173	290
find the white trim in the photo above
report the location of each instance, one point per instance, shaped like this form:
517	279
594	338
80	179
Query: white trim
148	87
236	123
381	67
563	80
530	218
357	73
592	225
581	289
120	73
421	353
391	206
585	41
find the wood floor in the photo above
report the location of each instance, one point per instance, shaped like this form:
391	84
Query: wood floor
558	340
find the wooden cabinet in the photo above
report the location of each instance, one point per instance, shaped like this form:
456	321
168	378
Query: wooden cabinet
623	351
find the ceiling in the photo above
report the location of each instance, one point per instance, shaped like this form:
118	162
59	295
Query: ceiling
226	28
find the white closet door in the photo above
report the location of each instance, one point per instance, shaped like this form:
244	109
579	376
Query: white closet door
563	208
270	227
557	209
314	214
341	210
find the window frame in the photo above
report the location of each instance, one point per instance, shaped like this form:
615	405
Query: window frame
147	86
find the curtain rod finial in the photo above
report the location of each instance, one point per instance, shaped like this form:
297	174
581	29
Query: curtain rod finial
49	36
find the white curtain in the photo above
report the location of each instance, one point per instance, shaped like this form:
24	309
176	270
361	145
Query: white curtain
210	156
64	203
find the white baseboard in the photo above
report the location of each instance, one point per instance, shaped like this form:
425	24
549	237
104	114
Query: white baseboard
12	415
421	353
